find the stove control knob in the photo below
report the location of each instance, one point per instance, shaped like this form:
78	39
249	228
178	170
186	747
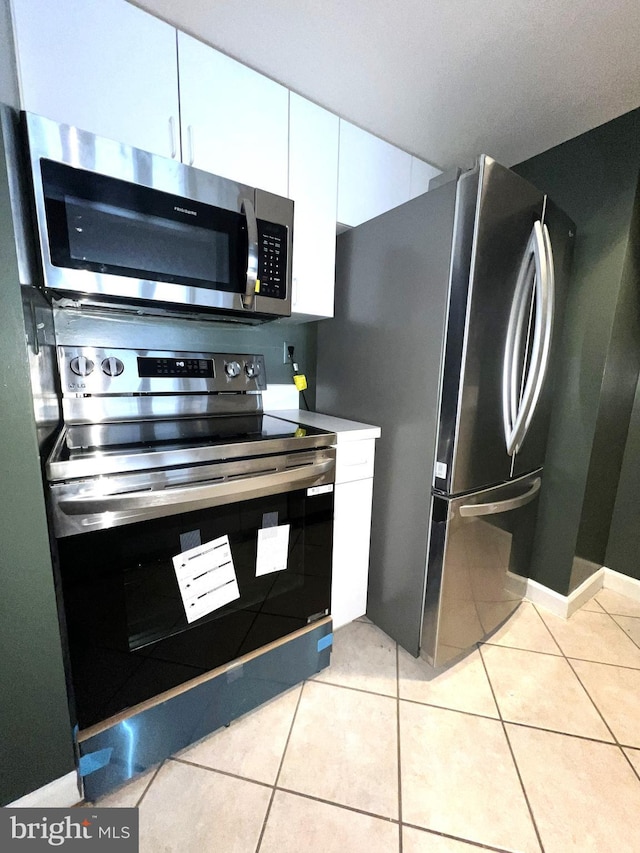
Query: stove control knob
81	366
252	369
232	369
112	366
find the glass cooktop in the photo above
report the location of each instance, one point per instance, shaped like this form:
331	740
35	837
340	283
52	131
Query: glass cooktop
181	432
97	449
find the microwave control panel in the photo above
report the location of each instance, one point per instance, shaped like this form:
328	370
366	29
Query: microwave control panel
272	259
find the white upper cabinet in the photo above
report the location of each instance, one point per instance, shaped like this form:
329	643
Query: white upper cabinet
105	67
373	176
421	174
112	69
234	121
313	185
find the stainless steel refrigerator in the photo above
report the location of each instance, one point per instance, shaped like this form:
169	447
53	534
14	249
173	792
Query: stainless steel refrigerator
447	324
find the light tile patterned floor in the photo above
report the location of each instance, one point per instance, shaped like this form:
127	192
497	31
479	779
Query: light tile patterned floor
531	743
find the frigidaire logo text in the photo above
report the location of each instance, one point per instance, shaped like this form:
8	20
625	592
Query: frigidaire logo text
57	832
184	210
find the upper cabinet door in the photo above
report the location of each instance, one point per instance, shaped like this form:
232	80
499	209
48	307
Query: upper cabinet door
313	185
374	176
421	174
105	67
234	121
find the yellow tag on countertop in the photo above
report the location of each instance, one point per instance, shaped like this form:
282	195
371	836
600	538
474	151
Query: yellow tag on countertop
300	381
300	433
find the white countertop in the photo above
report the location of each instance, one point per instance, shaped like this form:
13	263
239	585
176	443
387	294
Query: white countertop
344	429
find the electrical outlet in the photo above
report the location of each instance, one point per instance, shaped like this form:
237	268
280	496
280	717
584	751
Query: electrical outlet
285	352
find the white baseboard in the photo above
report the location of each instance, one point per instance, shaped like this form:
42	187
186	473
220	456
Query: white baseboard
622	584
565	605
62	793
544	597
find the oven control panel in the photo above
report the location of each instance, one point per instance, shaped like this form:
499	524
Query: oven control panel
189	367
102	370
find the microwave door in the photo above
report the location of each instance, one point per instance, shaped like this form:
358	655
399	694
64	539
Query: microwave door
124	240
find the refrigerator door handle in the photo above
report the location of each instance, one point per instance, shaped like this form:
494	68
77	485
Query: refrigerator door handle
469	510
518	409
545	306
524	302
513	344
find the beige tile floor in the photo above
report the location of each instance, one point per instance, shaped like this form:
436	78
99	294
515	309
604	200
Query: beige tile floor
531	743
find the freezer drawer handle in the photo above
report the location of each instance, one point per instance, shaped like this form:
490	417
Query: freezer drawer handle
468	510
249	295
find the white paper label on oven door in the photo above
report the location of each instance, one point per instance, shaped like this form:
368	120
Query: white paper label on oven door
319	490
206	578
273	549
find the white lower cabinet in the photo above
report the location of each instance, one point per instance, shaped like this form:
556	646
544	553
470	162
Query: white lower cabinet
351	534
351	527
353	494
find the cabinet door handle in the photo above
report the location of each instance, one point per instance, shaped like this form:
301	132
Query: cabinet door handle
351	463
172	134
190	137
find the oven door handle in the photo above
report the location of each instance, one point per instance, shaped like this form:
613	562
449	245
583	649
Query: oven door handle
184	498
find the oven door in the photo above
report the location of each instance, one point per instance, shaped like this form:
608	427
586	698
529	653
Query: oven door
121	224
131	627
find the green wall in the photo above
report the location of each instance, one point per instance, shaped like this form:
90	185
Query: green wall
617	394
623	546
593	178
35	730
623	551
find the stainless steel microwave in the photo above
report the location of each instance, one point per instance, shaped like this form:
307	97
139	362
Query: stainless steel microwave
128	228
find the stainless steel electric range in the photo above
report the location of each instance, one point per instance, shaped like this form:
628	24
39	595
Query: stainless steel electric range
190	528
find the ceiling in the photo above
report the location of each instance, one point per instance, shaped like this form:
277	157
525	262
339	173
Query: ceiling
444	80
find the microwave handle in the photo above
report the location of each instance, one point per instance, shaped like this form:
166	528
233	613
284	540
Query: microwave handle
249	294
